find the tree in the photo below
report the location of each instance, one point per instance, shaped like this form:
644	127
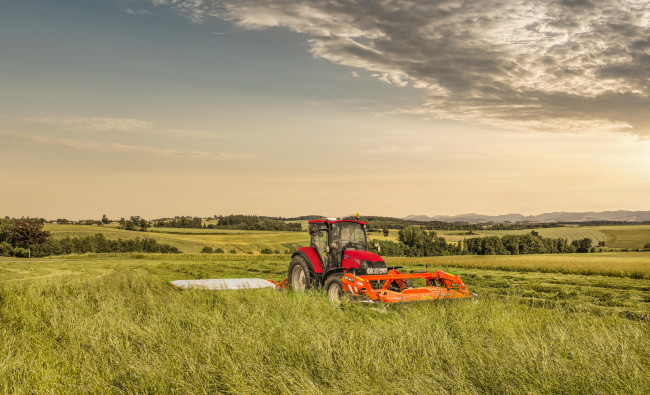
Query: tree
143	224
6	230
511	244
129	225
582	246
105	220
29	232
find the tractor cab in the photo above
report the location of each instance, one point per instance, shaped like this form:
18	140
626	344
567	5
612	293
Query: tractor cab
331	238
336	247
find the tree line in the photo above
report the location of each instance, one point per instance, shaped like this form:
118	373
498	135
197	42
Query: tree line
254	222
100	244
376	222
25	238
416	241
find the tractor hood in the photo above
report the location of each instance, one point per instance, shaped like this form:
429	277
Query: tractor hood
367	262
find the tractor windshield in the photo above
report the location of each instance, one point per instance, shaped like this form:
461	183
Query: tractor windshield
349	235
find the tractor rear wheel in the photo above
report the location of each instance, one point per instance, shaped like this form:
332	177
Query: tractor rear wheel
334	288
300	277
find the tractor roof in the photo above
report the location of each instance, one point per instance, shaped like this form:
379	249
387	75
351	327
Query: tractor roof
323	221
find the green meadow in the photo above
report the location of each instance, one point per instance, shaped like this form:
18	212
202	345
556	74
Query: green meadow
252	242
617	237
112	323
193	240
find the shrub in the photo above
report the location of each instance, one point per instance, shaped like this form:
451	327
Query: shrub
218	250
20	252
100	244
206	250
5	249
233	251
267	251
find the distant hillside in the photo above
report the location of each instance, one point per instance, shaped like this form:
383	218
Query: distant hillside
621	215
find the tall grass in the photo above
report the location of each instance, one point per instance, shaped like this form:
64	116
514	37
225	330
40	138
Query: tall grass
129	331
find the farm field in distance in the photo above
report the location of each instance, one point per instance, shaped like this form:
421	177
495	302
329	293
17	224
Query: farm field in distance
193	240
246	241
623	236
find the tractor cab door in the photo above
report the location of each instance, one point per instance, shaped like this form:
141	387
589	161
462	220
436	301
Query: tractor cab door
319	241
346	236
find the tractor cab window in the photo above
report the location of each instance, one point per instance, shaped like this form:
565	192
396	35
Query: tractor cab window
318	233
348	235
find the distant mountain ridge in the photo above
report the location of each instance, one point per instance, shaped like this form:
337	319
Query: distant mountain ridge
620	215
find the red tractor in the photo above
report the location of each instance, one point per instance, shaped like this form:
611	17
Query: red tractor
339	261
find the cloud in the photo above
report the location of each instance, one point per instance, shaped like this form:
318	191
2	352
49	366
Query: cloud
383	150
93	146
536	65
92	123
104	124
136	11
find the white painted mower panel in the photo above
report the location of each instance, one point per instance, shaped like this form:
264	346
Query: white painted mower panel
224	283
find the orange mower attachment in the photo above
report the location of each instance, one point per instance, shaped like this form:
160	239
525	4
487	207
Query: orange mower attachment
392	287
395	286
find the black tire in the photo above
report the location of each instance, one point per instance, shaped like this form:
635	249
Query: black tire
334	288
300	277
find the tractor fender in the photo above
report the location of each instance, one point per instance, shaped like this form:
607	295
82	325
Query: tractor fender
311	257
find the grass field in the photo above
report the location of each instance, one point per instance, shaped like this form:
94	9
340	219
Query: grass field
617	264
112	323
624	236
193	240
252	242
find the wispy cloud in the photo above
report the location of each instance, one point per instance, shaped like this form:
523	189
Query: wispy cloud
559	65
93	146
105	124
136	11
91	123
383	150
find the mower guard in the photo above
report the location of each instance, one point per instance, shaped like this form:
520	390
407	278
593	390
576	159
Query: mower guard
439	285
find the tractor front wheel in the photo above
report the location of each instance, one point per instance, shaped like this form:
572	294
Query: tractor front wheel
300	277
334	288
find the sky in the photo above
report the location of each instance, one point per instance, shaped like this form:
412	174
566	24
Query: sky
285	108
